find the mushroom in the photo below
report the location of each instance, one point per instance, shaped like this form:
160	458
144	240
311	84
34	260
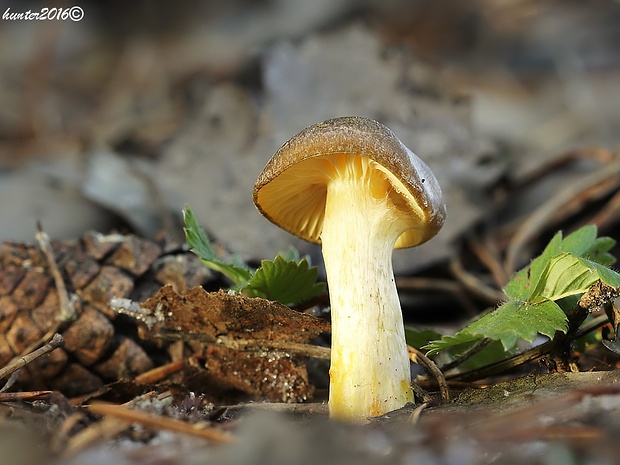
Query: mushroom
352	186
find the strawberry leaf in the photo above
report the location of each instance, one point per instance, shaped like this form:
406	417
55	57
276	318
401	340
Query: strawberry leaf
233	267
564	271
287	281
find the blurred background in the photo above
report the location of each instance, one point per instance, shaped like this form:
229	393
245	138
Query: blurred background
116	120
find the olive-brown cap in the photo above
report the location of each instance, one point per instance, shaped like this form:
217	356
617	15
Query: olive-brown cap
292	188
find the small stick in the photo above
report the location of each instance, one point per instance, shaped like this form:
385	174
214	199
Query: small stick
134	310
490	260
406	283
418	357
146	419
608	214
314	408
415	416
21	396
603	156
107	428
161	372
148	377
67	309
473	284
89	395
20	362
307	350
442	285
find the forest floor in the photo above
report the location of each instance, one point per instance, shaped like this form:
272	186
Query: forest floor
111	123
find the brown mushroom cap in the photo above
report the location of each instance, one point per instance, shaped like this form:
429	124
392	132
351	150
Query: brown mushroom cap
292	188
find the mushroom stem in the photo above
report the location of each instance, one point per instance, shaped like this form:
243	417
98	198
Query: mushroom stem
370	372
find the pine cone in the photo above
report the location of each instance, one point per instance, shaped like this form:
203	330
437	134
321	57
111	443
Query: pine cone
100	345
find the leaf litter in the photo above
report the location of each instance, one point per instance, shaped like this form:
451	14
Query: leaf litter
576	420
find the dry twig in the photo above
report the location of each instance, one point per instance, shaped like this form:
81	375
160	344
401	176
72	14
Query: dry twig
134	416
298	348
20	362
23	396
418	357
473	284
67	309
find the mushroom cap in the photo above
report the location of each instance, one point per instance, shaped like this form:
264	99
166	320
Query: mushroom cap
292	188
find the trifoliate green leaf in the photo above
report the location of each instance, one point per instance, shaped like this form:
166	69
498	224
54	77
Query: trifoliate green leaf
287	281
565	270
233	267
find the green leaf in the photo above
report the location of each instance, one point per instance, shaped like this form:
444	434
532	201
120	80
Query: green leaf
292	255
599	252
568	275
421	337
233	267
459	342
579	242
286	281
584	243
525	284
509	323
418	338
540	293
492	353
517	320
